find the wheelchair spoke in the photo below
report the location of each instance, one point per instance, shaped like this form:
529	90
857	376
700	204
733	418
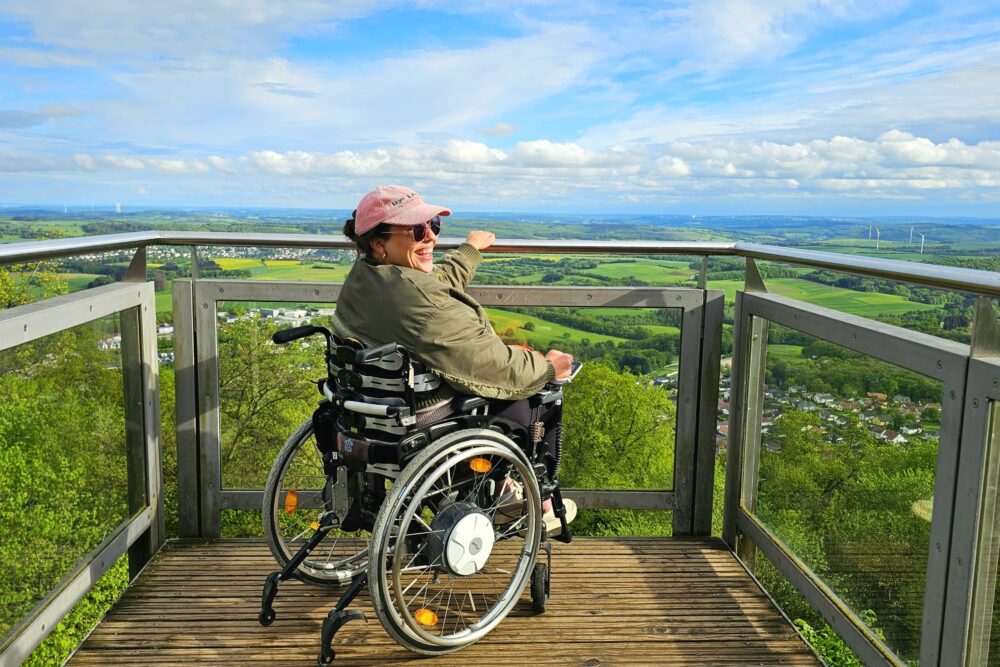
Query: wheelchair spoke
448	574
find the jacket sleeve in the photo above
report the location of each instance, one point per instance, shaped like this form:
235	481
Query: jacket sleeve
474	360
458	266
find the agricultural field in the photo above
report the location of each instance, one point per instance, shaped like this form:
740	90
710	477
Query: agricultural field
286	269
653	271
78	281
845	300
546	334
777	352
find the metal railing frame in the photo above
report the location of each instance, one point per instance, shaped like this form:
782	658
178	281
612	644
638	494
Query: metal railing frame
197	372
966	521
142	534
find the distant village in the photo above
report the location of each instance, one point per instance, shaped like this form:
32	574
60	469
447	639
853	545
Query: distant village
875	410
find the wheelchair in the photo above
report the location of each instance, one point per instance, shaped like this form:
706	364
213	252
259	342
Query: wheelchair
438	512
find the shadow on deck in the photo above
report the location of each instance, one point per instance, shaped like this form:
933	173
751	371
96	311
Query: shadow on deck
614	601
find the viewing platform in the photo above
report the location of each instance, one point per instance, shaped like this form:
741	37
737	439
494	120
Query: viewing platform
614	602
814	506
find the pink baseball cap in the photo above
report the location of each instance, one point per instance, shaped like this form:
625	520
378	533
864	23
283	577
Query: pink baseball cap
394	205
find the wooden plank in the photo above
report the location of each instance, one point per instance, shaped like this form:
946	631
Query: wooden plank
614	601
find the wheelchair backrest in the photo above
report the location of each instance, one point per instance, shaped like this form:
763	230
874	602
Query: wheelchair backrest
376	388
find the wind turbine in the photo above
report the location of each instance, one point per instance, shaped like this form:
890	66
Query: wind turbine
869	232
911	235
921	244
878	237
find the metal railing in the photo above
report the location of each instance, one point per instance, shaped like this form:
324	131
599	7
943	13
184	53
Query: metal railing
965	530
140	535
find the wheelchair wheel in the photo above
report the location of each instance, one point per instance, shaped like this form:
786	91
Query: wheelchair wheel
296	494
455	541
539	588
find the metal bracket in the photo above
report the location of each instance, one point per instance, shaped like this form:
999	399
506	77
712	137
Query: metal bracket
703	274
195	274
753	281
985	330
341	501
136	271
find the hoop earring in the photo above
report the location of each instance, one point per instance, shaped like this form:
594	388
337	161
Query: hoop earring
384	253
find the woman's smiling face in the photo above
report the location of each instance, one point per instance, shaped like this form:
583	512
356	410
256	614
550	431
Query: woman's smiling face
400	249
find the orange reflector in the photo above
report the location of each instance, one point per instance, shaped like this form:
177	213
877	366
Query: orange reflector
480	465
426	617
291	501
314	525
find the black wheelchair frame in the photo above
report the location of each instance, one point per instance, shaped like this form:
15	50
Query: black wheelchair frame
366	435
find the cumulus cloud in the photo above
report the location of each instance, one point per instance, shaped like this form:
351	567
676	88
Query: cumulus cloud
471	152
668	165
544	153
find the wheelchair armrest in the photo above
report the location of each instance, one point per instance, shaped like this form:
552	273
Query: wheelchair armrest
465	404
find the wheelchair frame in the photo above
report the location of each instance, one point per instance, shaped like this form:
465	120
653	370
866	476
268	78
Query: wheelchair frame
449	511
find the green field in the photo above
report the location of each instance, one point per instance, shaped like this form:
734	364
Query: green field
286	269
783	352
848	301
546	334
659	272
78	281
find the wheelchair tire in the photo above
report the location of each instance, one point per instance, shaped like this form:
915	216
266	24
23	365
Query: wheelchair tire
288	518
454	544
539	587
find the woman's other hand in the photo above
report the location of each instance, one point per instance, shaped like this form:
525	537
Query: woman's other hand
561	361
480	239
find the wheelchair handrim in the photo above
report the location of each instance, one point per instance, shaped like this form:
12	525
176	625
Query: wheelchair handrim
519	575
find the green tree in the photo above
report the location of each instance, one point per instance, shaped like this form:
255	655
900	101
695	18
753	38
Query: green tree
619	431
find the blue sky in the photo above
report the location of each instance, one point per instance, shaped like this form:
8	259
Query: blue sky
722	107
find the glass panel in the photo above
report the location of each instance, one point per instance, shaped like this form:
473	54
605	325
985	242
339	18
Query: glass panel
266	390
63	473
849	448
984	636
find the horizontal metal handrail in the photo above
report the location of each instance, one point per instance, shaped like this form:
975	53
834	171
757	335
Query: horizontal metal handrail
986	283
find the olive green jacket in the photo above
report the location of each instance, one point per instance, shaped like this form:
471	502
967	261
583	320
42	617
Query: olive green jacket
443	327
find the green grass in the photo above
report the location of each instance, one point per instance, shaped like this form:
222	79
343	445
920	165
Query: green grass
546	334
784	352
660	272
848	301
78	281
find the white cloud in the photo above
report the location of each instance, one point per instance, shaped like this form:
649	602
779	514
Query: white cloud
123	162
472	152
544	153
668	165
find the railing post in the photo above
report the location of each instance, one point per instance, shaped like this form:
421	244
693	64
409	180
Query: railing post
206	354
186	410
746	393
975	530
140	379
708	403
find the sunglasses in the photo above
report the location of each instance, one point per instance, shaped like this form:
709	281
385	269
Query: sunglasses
419	232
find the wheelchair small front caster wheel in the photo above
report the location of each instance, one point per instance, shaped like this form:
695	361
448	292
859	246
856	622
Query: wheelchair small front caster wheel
266	618
539	587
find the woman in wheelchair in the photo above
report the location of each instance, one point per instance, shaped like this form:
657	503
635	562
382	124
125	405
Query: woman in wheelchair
435	435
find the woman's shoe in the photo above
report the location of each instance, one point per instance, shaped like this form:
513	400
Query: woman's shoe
552	524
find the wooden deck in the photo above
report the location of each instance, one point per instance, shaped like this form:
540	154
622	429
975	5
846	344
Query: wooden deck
614	602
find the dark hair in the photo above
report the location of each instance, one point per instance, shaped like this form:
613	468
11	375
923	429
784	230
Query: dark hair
363	243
